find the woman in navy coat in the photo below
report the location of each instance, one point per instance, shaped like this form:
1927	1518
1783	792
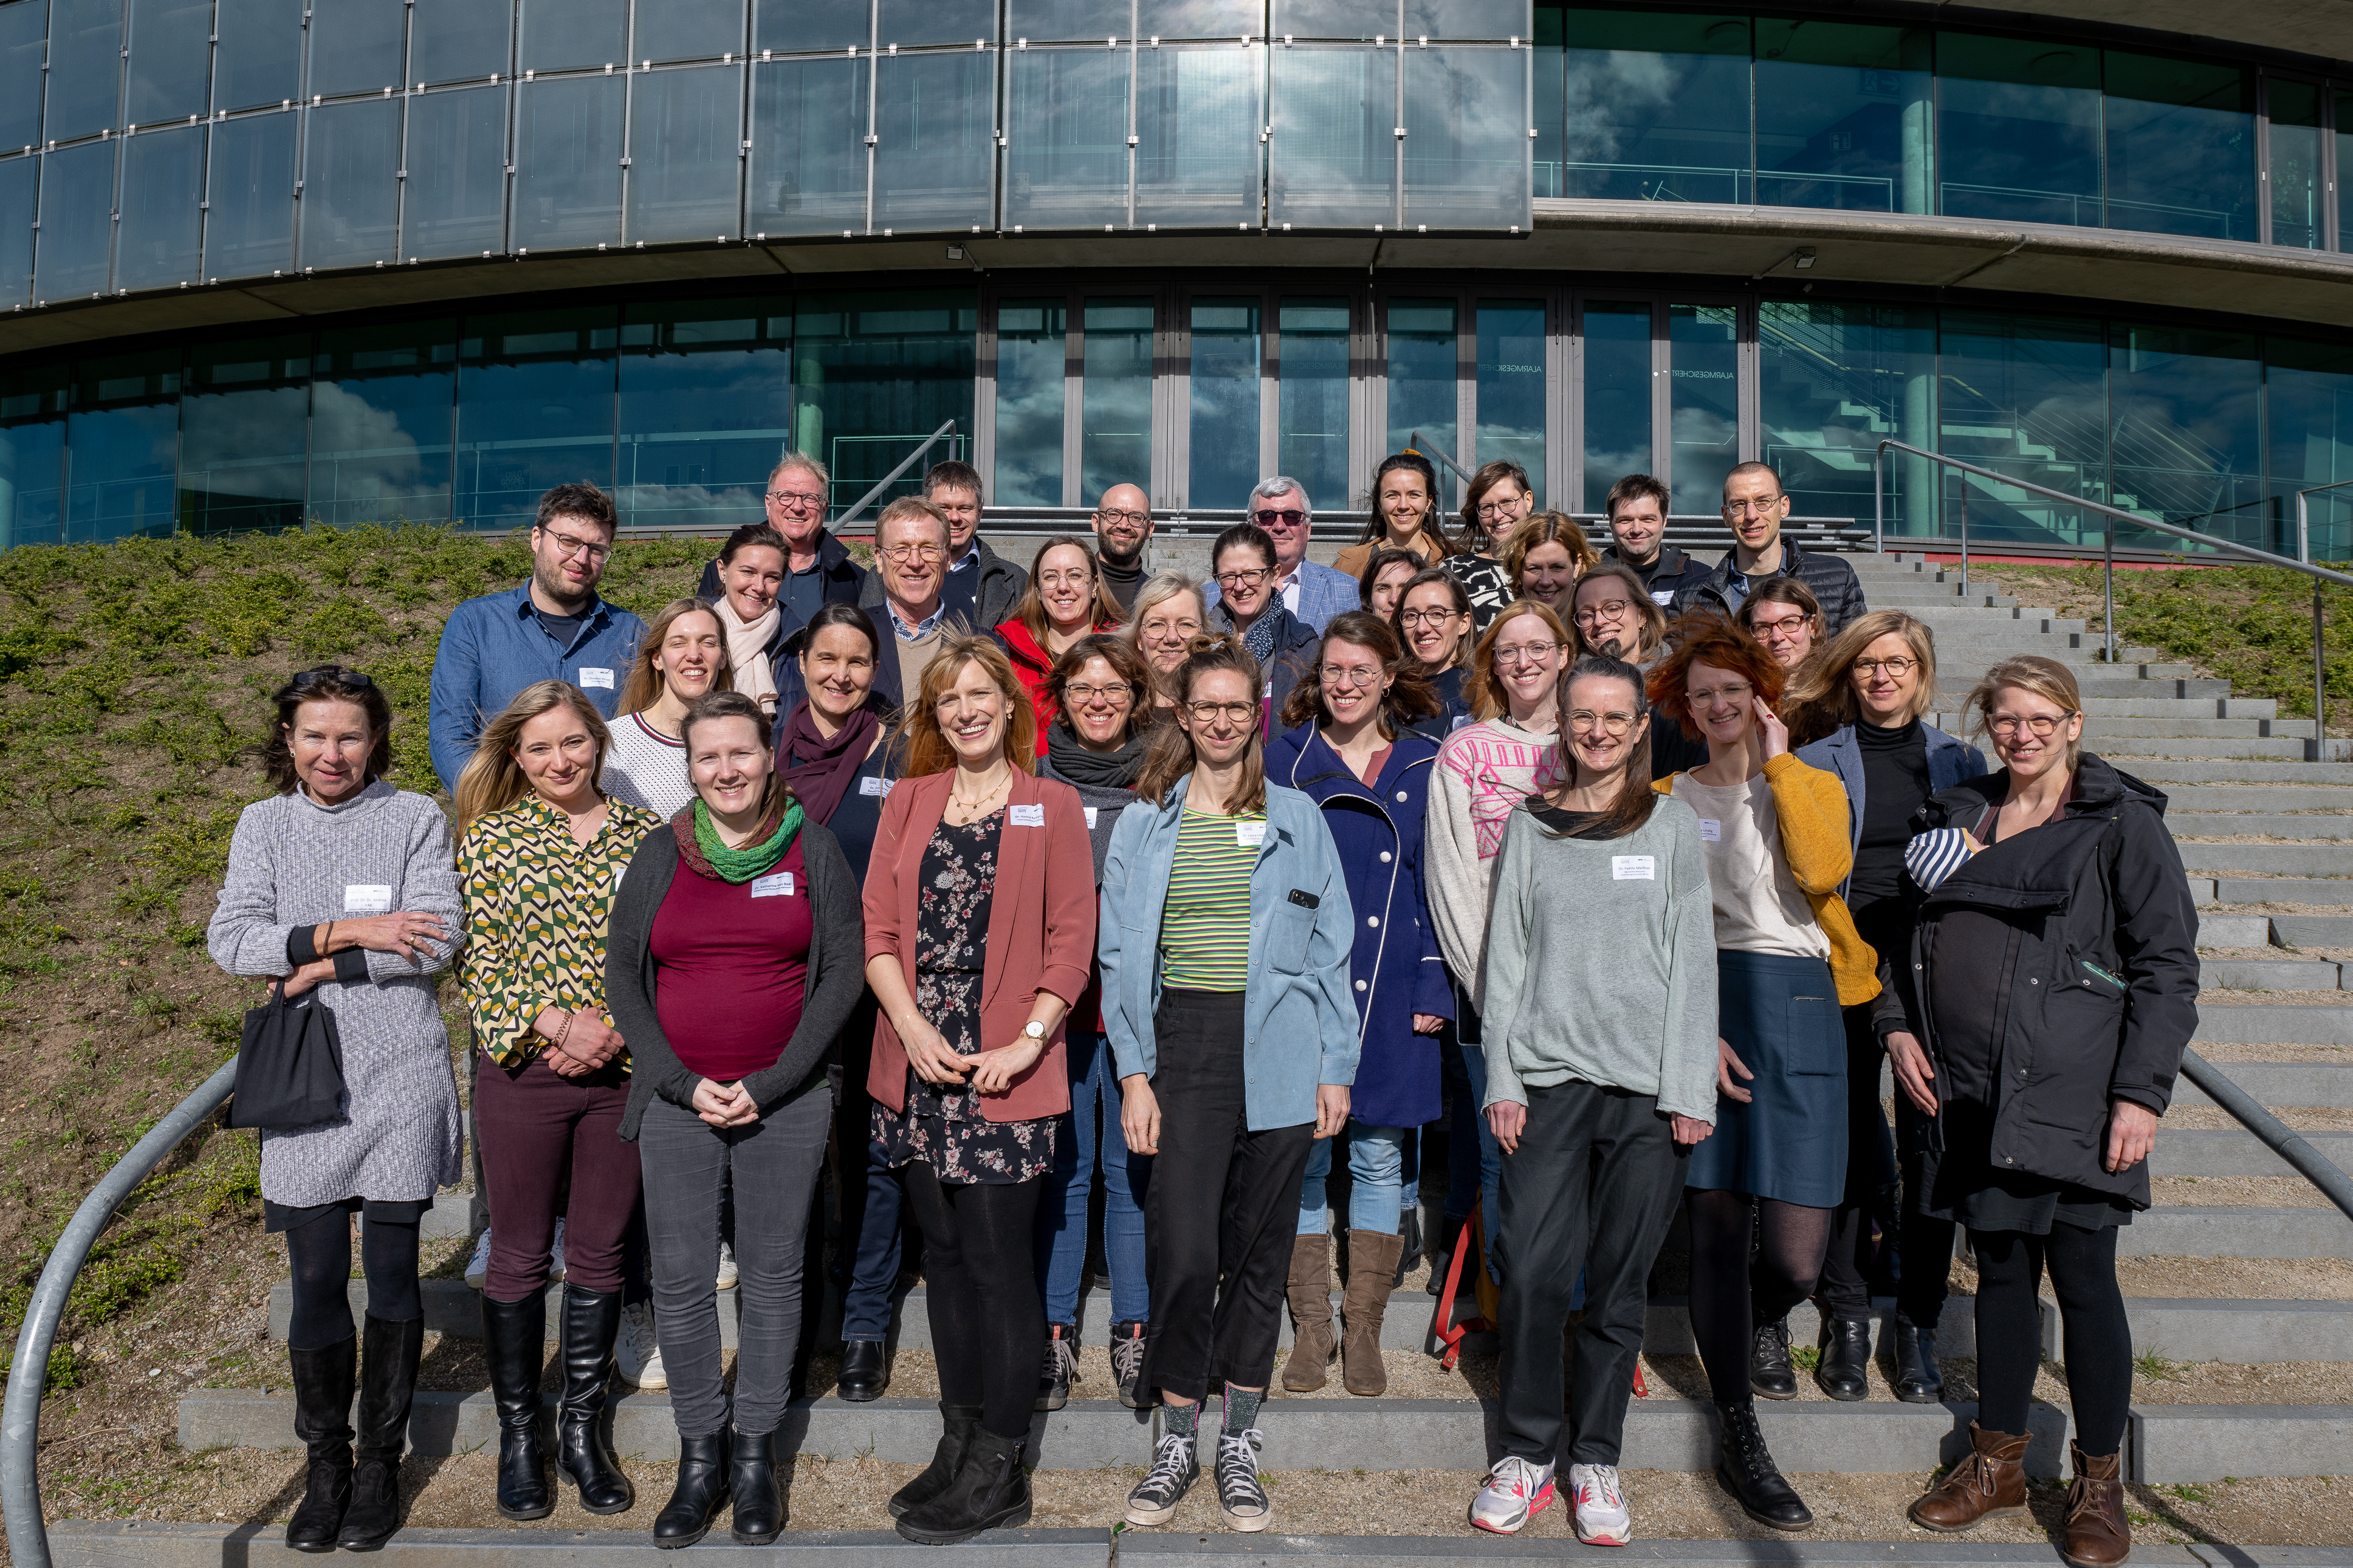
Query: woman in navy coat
1353	748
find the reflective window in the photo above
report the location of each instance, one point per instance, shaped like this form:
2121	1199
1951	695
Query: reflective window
1065	21
1466	144
351	201
1115	408
1657	107
2344	120
380	413
685	166
2186	438
2025	395
242	434
1511	386
935	156
2308	415
249	193
356	46
2180	146
1066	123
1311	398
1836	380
159	242
1197	18
1196	118
19	184
1031	338
121	438
459	40
574	35
85	81
77	221
1850	126
456	191
1421	376
814	27
1467	19
706	409
1223	438
688	30
913	22
1617	391
258	59
171	61
535	410
567	185
24	44
1547	110
2018	129
875	374
1333	18
2299	217
32	454
808	148
1332	158
1704	408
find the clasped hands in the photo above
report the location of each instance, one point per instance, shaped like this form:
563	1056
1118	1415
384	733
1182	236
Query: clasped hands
988	1072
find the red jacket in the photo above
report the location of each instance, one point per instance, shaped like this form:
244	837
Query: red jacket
1032	665
1041	929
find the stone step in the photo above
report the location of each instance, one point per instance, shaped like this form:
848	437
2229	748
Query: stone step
2232	1152
2236	1230
2296	1086
2234	931
2252	798
2299	860
2169	771
2322	890
2111	733
2317	824
2313	930
2153	706
2269	974
2126	751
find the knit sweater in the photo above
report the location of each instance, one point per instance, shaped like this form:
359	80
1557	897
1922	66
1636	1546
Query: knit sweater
1645	1020
293	862
645	767
1484	771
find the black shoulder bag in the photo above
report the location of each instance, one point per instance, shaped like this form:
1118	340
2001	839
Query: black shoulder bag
290	1066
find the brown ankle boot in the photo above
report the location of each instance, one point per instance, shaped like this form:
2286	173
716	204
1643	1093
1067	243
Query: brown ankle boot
2097	1535
1364	1302
1991	1481
1312	1346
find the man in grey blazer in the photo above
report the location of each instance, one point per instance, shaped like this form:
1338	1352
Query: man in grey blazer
1314	593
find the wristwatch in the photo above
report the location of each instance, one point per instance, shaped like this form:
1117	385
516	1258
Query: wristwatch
1034	1029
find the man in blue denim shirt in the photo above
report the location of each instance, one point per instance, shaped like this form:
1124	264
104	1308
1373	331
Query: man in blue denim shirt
554	627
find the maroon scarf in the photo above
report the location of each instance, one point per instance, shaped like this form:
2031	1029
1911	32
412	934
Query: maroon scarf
821	767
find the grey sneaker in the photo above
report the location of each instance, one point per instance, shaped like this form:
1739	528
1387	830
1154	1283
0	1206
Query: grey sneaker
1239	1496
1127	1363
1174	1471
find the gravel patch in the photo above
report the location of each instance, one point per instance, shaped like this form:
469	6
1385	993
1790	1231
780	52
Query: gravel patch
2218	998
2270	1192
2301	1118
2157	1380
2238	1279
2289	1051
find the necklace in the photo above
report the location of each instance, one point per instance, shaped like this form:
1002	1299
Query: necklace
977	802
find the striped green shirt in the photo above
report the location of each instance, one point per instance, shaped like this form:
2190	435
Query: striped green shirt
1205	923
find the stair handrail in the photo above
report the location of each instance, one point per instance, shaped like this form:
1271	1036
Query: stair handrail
20	1449
891	477
2277	1136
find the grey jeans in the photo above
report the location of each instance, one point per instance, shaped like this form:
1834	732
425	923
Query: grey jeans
688	1167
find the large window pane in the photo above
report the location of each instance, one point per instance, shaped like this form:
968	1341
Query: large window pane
121	440
936	153
685	167
706	410
1836	380
574	35
688	30
259	58
808	148
1225	415
356	46
32	454
2180	146
1704	410
1192	18
1466	144
241	433
1511	386
1066	122
459	40
1063	21
1468	19
2308	417
2185	432
1311	402
1196	118
1657	107
351	201
2344	162
19	188
1031	338
77	221
24	44
1617	384
2018	130
911	22
1115	409
1332	19
1331	160
158	240
1849	126
567	189
535	410
816	27
85	67
1549	107
171	61
2025	395
456	174
875	374
250	189
1421	377
380	413
2298	214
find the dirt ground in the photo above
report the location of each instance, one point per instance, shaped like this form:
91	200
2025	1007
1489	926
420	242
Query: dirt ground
2238	1279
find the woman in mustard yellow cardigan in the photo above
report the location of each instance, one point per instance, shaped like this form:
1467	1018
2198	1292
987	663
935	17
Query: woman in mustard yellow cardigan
1774	833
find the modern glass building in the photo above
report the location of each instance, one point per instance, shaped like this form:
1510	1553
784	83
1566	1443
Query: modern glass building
357	260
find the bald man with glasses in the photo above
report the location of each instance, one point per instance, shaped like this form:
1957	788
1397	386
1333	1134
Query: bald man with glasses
1755	506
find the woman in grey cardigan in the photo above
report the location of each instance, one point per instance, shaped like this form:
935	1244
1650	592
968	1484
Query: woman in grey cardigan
343	889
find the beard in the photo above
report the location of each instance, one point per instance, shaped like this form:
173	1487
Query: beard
549	579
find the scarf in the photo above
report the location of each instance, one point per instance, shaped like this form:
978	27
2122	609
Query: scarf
747	653
700	847
1259	638
1072	762
820	768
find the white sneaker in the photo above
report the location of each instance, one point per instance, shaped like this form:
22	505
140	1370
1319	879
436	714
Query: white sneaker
1601	1515
478	1267
1515	1493
728	1273
555	1256
639	1354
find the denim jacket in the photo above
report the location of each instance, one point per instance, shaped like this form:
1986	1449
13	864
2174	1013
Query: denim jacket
493	647
1299	1021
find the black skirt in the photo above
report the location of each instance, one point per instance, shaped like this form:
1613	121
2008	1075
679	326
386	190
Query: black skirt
1962	1184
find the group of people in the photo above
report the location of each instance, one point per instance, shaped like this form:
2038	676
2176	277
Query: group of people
975	886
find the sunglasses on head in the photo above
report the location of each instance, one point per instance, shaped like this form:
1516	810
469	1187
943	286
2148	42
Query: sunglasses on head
335	673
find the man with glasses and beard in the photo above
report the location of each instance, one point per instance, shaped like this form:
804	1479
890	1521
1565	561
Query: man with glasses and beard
1122	528
1313	594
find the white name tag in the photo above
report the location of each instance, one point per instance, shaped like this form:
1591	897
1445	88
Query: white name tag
592	677
1634	869
1663	597
1711	830
1091	818
360	898
1030	815
1249	835
774	885
874	786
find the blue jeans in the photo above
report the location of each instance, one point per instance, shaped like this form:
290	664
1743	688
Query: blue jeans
1063	1204
1376	1184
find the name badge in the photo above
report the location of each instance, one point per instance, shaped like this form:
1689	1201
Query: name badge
1711	830
361	899
1634	869
1030	815
592	677
1091	818
874	786
1663	597
1249	835
774	885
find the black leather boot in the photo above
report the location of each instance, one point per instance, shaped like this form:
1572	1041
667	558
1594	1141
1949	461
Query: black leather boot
592	1323
323	1419
865	1371
515	1342
1409	1227
701	1492
1770	1375
388	1357
1844	1369
990	1491
957	1423
752	1478
1914	1373
1746	1471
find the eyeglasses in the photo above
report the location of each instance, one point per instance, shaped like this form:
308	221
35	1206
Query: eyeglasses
1289	517
332	673
1354	675
1743	507
1528	653
1230	581
1208	712
1735	691
1896	668
1426	617
1787	626
1584	721
797	501
1607	610
1080	696
1078	577
567	547
1489	510
903	554
1138	517
2040	724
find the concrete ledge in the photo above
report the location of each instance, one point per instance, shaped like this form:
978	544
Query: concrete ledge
2228	1151
2313	1084
2321	890
103	1544
454	1307
2237	1231
2268	975
2249	1333
2207	1442
1400	1551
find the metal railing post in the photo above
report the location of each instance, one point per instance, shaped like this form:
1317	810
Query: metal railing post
1879	500
2108	550
891	477
1964	536
2277	1136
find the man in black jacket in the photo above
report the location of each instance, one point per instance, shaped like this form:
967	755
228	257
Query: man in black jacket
982	587
1755	505
1637	509
818	570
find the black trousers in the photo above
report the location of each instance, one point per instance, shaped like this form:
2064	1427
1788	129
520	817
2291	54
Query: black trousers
1592	1188
1224	1202
1844	1290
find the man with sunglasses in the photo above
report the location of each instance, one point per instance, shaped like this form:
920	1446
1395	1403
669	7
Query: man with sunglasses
819	568
1755	505
1312	593
552	628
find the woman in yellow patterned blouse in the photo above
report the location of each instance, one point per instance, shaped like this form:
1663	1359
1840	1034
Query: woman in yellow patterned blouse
539	854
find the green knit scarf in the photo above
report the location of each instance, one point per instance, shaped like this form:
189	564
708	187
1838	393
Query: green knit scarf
753	859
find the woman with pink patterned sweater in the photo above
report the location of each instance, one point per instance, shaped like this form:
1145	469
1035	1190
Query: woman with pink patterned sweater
1486	770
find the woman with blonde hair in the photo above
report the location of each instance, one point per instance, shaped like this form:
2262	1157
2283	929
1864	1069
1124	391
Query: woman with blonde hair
540	852
682	656
1545	557
1169	613
1067	600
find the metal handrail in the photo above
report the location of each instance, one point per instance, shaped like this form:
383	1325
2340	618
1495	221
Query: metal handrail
2319	661
1419	444
909	461
2277	1136
20	1450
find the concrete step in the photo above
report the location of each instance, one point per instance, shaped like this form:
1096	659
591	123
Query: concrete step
2230	1152
2270	824
2286	747
2234	931
2253	798
2295	1086
2168	773
2106	734
2236	1230
2169	706
2298	861
2322	891
2269	974
2313	930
